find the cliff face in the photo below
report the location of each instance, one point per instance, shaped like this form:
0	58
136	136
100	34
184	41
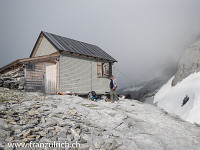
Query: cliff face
189	63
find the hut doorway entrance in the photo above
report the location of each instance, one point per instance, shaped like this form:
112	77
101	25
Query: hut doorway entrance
50	78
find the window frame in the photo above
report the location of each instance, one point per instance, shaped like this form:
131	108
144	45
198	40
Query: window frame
32	68
103	69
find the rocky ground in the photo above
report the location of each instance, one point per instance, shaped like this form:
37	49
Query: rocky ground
127	124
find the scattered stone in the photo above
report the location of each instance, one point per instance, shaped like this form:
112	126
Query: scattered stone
47	124
27	133
2	108
17	131
96	145
33	121
54	106
57	128
63	124
37	129
9	139
76	136
31	136
82	141
63	134
26	140
22	122
70	138
10	113
37	137
77	126
42	133
31	113
28	126
45	140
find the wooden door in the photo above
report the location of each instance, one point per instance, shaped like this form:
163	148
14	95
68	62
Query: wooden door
50	78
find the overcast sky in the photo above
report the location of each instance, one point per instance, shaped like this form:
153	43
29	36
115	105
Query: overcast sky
145	36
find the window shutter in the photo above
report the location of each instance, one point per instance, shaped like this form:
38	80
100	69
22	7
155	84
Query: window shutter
99	69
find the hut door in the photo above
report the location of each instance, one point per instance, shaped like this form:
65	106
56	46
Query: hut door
50	78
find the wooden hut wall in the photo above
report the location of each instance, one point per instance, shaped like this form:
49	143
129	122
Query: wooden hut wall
35	78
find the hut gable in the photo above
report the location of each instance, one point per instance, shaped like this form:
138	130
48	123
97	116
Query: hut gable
43	47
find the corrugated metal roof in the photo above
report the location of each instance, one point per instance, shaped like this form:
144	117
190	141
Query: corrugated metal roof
74	46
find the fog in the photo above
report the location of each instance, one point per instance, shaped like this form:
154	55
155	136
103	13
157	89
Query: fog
146	37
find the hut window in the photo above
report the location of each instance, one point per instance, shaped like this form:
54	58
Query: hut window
30	66
99	69
103	69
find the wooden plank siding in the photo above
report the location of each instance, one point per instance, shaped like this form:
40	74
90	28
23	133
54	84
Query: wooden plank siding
79	75
44	48
34	79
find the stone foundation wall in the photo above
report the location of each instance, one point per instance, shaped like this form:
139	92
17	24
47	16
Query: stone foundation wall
13	79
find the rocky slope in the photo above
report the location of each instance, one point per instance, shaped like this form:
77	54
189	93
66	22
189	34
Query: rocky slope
189	63
126	124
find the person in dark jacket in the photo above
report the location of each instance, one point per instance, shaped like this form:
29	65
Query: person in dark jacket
113	87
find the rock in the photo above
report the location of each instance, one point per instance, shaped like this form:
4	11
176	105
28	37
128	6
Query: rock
78	131
77	126
76	136
17	131
2	122
61	139
54	138
37	137
27	126
62	124
31	136
13	123
82	141
54	106
26	140
189	63
27	133
71	112
22	122
51	134
47	124
31	113
33	121
37	129
45	140
113	145
43	120
51	128
70	138
63	134
85	147
57	128
42	133
96	145
9	139
2	108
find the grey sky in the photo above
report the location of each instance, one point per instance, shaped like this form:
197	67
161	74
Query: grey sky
145	36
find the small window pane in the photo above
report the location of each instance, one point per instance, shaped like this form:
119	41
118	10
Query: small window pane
30	67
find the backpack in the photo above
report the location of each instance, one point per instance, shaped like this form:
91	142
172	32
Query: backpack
93	96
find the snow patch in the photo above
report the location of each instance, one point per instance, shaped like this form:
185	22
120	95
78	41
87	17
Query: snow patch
171	98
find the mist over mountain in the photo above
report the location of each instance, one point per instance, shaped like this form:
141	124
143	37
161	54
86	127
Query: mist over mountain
143	89
189	62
